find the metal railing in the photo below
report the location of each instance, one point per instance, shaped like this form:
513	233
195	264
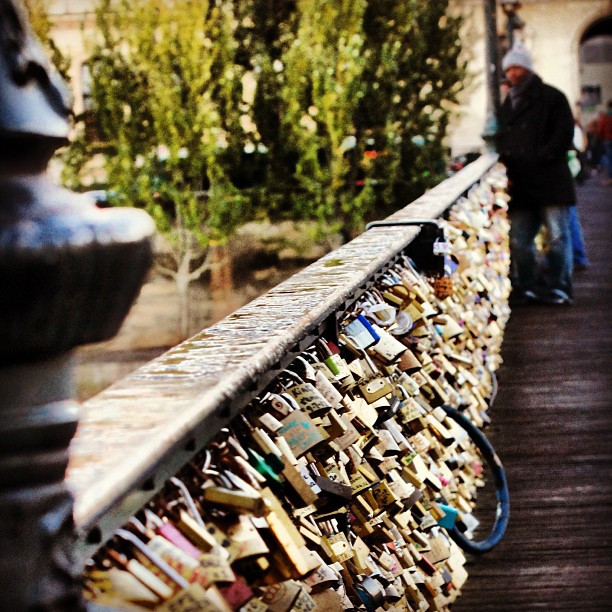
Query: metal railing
140	431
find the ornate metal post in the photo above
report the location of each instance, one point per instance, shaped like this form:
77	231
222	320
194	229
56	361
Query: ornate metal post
68	274
492	68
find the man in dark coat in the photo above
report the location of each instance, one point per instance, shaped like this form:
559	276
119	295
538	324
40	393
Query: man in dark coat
536	128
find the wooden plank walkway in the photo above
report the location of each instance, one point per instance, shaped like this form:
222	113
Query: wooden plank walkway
552	427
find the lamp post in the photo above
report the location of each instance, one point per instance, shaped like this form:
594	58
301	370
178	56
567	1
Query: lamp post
492	72
69	273
513	21
494	50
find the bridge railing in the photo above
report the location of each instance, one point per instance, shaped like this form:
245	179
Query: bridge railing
143	429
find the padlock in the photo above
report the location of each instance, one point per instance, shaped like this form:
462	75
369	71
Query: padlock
237	594
156	564
331	487
359	482
381	313
361	332
375	389
114	586
387	348
238	500
143	574
168	531
245	540
286	596
387	446
300	432
350	435
300	485
327	390
198	534
338	548
323	578
197	598
290	540
309	399
408	362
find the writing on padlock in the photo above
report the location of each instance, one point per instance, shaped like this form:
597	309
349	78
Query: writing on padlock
300	432
310	399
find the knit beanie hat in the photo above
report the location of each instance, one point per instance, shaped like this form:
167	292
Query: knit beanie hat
518	56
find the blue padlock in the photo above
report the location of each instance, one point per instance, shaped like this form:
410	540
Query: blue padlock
450	516
362	332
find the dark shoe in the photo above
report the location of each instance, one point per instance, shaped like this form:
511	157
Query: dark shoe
555	297
579	266
521	298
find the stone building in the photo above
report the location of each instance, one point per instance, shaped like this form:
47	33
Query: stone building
571	42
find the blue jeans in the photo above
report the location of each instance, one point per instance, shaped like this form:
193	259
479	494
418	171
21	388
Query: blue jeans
524	227
579	250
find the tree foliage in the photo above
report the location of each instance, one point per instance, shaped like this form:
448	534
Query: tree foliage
353	102
213	112
343	116
166	92
320	92
414	74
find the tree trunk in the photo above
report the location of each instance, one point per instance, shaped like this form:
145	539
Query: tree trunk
224	298
182	280
221	277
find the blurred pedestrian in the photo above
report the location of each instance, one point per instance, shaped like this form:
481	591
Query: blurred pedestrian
604	130
536	128
581	260
594	150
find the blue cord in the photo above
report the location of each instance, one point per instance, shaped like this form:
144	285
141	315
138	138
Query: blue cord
503	496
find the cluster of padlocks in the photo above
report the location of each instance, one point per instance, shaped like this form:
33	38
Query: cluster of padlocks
337	487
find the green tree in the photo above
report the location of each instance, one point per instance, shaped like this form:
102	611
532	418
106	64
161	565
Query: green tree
353	102
265	34
167	92
212	112
413	76
323	84
309	84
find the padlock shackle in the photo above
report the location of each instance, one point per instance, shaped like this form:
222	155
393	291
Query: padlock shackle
421	250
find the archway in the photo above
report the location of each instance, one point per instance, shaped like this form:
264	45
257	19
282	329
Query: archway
596	68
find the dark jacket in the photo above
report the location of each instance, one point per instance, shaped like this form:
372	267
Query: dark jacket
533	141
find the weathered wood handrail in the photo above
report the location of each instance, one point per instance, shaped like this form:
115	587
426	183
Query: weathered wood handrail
140	431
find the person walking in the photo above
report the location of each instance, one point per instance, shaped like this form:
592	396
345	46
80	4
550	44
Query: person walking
604	130
536	129
581	260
